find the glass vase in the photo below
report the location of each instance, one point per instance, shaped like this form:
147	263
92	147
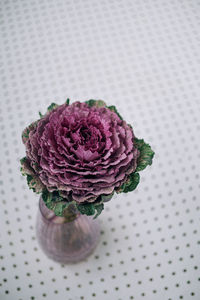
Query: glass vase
68	239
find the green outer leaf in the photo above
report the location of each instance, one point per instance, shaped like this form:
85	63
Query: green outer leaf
101	103
40	114
52	106
29	178
23	159
113	108
26	131
32	183
46	196
130	184
67	101
90	208
106	198
90	102
86	209
55	202
99	209
97	103
146	154
58	204
59	208
33	180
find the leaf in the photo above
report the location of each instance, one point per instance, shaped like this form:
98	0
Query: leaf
106	198
23	160
86	209
146	154
40	114
52	106
67	101
25	134
55	202
34	183
113	108
46	196
32	178
59	208
99	209
130	184
26	131
97	103
89	209
59	204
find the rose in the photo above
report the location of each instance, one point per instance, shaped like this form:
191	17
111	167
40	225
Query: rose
82	152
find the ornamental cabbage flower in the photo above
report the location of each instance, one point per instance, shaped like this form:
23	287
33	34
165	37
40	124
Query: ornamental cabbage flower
82	153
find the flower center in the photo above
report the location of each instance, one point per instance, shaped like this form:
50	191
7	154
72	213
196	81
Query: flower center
85	134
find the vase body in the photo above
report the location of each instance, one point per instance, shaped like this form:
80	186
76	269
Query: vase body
66	240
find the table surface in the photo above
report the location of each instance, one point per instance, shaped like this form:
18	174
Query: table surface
143	57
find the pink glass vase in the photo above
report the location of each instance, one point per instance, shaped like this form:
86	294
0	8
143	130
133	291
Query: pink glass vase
68	239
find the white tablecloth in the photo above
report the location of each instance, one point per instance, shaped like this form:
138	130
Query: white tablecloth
143	57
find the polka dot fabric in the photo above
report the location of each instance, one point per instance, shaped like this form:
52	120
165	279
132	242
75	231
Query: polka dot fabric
143	57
